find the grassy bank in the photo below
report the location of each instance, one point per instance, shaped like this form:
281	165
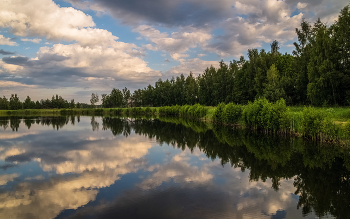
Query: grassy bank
321	124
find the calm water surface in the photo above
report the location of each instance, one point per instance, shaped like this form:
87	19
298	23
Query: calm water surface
94	167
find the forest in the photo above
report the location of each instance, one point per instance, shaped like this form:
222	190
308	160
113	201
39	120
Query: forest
317	73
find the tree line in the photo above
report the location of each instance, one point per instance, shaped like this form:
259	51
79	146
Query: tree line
317	73
56	102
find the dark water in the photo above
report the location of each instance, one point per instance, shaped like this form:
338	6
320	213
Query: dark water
93	167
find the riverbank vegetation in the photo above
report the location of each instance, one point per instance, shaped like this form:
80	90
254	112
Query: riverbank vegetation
320	124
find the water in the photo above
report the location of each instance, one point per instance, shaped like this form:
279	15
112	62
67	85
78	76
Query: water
93	167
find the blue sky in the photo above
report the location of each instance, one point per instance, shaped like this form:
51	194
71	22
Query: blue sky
76	47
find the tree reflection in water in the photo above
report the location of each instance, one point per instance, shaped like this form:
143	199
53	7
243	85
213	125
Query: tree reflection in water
320	171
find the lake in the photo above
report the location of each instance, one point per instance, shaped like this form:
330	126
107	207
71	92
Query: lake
105	167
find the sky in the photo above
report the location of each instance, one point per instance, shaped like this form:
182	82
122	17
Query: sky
77	47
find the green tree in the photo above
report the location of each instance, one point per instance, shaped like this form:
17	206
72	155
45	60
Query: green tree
302	57
72	104
273	90
323	80
94	99
15	103
191	90
27	103
4	103
126	96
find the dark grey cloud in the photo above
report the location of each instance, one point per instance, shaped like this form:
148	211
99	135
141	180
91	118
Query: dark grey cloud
47	58
3	52
21	158
16	60
167	12
6	166
25	61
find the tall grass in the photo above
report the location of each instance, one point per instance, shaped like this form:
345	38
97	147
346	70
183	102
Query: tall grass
262	115
196	111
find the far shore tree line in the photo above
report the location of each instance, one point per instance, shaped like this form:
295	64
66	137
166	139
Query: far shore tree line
317	73
56	102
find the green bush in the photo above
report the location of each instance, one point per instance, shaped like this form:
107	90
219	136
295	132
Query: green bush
263	115
183	110
312	121
200	111
191	111
232	113
219	114
147	111
136	111
98	111
330	131
347	129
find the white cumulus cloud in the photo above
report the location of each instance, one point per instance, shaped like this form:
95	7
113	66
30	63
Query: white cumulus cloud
6	41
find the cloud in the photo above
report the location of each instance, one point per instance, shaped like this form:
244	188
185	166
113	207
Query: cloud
72	65
14	135
176	43
3	52
326	10
301	5
4	179
196	66
263	23
179	172
10	152
38	177
31	40
180	189
90	152
6	41
170	13
97	158
96	52
246	24
48	199
7	84
46	19
16	60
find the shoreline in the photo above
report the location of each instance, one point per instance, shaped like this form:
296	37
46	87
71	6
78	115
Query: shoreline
323	127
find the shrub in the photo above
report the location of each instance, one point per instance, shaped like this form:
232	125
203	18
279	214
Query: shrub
263	115
147	110
232	113
98	111
183	111
191	110
251	113
312	121
219	114
200	111
136	110
347	129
